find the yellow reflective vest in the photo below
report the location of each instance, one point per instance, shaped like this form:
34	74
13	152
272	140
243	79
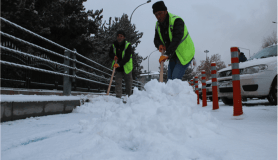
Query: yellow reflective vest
129	65
186	50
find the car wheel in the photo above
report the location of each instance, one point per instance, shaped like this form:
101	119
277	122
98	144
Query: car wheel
211	98
272	97
227	101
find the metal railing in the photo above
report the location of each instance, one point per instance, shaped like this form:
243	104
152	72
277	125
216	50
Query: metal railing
30	66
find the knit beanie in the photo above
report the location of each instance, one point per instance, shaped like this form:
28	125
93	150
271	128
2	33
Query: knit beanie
159	6
121	32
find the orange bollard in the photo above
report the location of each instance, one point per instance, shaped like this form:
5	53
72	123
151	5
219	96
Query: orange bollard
204	89
236	82
196	89
214	87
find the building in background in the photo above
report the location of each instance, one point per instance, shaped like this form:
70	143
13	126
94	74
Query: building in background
144	78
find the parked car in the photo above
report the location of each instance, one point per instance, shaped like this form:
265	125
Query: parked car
258	77
209	91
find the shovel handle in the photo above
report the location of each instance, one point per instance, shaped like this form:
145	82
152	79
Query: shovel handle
111	79
161	69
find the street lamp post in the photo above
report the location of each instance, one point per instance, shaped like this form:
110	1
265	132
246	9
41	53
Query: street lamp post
206	63
246	49
206	51
148	62
137	7
274	22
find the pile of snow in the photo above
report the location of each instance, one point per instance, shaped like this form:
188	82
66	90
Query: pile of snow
156	123
162	123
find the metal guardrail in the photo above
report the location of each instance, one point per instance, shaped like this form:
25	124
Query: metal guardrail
69	70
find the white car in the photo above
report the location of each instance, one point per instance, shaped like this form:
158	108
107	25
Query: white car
208	89
258	77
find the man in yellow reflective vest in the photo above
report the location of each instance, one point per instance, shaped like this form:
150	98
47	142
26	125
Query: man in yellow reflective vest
121	51
172	35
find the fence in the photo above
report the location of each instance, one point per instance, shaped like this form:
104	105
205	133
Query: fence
28	65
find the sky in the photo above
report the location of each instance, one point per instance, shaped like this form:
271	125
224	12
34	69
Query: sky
214	25
164	122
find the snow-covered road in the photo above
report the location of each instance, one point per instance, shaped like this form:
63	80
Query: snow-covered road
162	123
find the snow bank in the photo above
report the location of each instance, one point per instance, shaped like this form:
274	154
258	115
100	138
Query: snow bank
159	120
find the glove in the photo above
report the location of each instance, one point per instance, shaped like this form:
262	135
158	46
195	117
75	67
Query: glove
115	58
116	65
163	58
161	47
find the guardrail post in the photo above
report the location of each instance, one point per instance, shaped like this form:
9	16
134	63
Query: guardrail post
56	83
236	82
123	87
67	80
196	89
214	87
138	83
204	89
28	75
74	71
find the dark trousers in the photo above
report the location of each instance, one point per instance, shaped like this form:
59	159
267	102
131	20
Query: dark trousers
128	83
176	70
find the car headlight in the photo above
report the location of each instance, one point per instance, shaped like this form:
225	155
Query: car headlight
255	69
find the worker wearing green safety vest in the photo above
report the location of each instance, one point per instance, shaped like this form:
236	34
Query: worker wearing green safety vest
172	36
121	51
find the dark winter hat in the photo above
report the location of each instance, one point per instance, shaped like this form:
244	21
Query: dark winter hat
159	6
121	32
238	49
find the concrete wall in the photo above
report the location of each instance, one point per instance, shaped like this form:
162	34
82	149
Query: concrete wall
19	110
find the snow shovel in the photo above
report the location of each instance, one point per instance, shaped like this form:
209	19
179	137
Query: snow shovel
161	69
108	90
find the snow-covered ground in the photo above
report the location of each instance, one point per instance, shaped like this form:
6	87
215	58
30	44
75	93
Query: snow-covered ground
162	123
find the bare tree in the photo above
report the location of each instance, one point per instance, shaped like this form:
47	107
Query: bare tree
206	65
188	75
270	40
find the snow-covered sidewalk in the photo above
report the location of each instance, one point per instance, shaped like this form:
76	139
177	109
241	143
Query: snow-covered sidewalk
162	123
